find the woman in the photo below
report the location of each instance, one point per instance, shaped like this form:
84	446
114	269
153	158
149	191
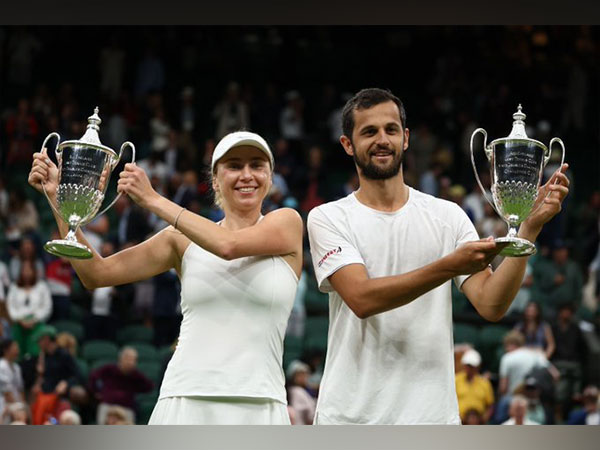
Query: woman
29	305
537	332
238	281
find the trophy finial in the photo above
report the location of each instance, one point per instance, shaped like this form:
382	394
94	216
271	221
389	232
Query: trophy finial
91	133
518	129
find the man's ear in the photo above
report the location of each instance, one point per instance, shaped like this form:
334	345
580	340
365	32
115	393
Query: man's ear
347	144
406	138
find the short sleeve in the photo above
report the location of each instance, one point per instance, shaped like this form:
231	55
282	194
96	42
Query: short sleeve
329	248
465	232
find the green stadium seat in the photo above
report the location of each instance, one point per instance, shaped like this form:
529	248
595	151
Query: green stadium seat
76	312
99	349
490	338
466	334
151	369
135	333
145	409
151	396
70	326
101	362
146	352
83	367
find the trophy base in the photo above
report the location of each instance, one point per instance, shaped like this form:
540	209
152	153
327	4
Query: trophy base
516	247
68	249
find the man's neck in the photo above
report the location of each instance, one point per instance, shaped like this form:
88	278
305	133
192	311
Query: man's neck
383	195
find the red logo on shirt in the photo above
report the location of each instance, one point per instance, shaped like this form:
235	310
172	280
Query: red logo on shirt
328	254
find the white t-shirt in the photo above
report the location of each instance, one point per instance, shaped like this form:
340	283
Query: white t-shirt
517	364
234	318
395	367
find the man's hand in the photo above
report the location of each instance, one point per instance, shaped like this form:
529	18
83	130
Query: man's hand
475	256
558	188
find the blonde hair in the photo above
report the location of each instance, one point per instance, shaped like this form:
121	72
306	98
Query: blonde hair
67	341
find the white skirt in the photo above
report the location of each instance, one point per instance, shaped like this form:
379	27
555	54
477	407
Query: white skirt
219	411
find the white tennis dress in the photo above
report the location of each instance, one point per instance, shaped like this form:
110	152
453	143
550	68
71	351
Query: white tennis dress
227	367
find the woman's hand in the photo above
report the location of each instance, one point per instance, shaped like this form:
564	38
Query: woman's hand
43	170
134	182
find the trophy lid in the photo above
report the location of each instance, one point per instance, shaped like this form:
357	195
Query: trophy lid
518	129
91	134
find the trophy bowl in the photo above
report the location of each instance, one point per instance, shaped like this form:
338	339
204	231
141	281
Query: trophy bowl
517	165
84	169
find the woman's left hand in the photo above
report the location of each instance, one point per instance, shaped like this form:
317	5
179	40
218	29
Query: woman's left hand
134	182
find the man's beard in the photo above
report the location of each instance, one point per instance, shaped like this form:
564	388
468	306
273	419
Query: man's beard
372	171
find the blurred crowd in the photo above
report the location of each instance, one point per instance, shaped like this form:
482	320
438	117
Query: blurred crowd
72	356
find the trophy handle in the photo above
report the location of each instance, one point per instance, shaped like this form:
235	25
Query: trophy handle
487	154
114	164
547	159
58	154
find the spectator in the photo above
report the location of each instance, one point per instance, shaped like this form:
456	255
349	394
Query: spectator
116	415
67	342
69	417
537	332
535	410
102	323
27	252
150	74
11	379
300	397
515	366
568	358
231	113
117	385
558	280
58	378
474	392
166	309
21	130
59	276
518	412
22	215
18	414
291	118
590	413
29	305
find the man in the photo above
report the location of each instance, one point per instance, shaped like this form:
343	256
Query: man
473	391
117	384
386	255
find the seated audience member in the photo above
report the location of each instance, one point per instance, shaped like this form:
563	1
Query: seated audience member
537	332
473	391
58	378
590	413
300	399
518	412
117	384
29	305
568	358
11	379
69	417
117	415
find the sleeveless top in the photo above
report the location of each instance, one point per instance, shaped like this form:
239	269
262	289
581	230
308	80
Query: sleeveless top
235	314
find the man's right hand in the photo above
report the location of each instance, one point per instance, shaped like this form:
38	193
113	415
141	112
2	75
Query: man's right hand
43	170
475	256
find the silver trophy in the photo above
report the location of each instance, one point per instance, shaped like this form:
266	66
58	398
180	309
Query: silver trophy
517	165
84	169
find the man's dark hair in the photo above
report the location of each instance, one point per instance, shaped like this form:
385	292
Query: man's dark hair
365	99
